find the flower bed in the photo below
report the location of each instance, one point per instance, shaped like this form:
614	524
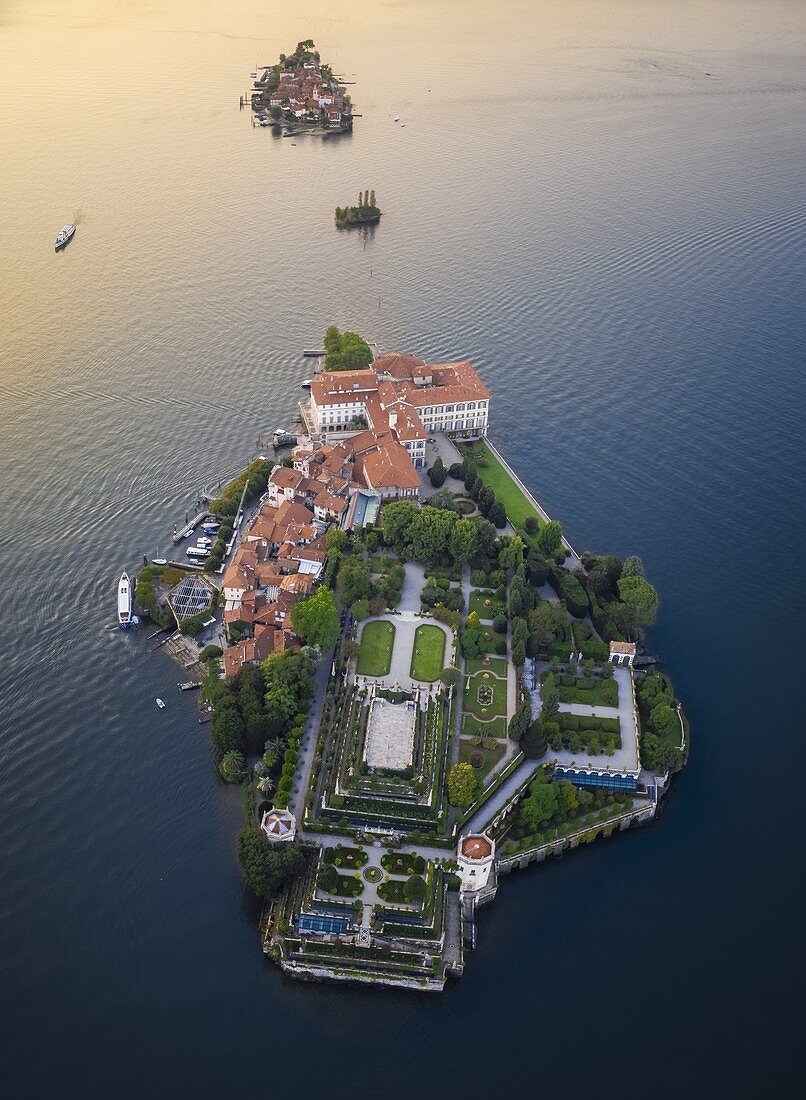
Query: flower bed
403	863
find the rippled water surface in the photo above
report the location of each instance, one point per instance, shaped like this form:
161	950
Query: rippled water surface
616	238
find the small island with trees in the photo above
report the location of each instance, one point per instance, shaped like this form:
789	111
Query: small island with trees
366	212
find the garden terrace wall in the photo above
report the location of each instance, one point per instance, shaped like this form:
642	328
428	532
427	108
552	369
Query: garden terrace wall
586	834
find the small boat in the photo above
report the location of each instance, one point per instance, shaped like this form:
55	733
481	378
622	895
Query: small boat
124	602
253	76
159	561
310	353
204	541
64	236
189	685
306	383
160	704
397	118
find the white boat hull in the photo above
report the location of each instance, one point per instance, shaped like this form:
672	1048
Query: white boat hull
125	617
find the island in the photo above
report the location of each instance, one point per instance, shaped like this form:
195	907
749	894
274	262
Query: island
365	213
300	94
422	687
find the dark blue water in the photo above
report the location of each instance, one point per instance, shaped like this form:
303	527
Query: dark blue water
617	241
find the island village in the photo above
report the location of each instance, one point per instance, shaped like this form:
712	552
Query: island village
301	94
420	685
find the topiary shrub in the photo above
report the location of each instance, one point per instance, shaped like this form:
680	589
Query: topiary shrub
476	759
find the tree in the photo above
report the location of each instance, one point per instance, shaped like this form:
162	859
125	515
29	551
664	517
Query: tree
346	350
354	581
414	889
549	696
540	806
566	797
547	621
232	767
463	785
442	498
429	532
520	631
437	473
639	595
510	555
264	865
497	515
275	112
659	755
471	477
533	742
664	721
265	784
486	536
550	537
633	567
316	619
486	500
335	540
281	705
520	720
450	676
228	730
462	540
530	525
396	518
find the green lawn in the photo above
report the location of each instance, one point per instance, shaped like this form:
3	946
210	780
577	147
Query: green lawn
492	473
487	614
375	655
592	692
472	727
497	665
428	658
497	706
491	756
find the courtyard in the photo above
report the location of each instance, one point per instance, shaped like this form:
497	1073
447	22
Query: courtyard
390	735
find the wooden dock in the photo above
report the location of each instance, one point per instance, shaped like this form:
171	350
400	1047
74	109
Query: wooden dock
188	530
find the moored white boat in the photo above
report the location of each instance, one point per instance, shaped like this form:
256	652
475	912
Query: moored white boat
160	704
125	601
64	236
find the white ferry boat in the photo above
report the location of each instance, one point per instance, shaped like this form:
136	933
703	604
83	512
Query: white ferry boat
125	617
64	236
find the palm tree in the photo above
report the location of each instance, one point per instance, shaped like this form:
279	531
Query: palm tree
265	784
232	767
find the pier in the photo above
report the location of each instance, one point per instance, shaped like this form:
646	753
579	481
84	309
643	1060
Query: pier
188	530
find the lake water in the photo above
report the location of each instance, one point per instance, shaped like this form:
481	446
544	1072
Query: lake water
616	239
